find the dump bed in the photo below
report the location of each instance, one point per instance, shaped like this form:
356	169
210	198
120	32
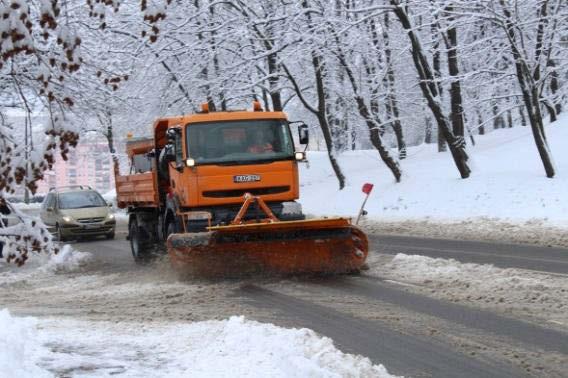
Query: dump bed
138	188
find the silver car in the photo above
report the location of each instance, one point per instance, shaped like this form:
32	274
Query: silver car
77	211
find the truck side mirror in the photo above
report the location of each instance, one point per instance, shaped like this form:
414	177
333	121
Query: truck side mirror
169	153
303	134
178	150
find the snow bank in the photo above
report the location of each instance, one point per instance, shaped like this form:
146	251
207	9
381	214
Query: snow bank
230	348
67	260
512	290
19	347
28	206
507	183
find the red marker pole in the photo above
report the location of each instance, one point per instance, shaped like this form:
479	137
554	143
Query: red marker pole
367	189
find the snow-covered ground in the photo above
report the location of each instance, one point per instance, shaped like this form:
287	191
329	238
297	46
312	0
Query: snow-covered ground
235	347
512	291
507	184
89	347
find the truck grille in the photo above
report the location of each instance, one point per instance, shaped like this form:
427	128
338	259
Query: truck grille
241	192
90	220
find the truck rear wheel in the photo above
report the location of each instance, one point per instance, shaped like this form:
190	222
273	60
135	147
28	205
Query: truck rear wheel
139	244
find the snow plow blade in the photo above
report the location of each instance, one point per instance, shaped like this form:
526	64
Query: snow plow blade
316	246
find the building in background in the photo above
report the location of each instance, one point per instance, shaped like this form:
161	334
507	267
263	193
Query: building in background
90	163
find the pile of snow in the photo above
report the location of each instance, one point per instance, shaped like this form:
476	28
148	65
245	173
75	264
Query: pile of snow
68	260
507	183
19	347
230	348
28	206
528	292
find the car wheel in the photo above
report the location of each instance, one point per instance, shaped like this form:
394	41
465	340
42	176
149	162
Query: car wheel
110	235
58	236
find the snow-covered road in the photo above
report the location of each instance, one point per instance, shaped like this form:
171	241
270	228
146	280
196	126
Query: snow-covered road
107	297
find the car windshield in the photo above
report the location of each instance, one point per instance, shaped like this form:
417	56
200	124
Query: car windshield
238	142
79	200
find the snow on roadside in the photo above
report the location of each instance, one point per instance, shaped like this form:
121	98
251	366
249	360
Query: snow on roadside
230	348
18	347
68	260
514	291
28	206
488	229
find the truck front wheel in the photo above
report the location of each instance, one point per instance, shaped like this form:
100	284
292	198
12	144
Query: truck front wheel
139	245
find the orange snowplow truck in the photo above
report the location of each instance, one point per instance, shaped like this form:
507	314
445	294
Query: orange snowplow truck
220	189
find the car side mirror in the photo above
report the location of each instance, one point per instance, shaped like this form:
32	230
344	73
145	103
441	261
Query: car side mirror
109	204
303	134
49	209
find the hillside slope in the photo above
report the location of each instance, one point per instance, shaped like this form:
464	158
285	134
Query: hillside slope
507	183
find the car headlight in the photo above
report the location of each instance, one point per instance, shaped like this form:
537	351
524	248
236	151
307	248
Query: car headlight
110	216
67	219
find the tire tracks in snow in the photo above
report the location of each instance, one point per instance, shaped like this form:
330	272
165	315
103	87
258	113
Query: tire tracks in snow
516	330
405	354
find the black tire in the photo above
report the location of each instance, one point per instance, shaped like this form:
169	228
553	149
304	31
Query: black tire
110	236
58	236
171	229
140	247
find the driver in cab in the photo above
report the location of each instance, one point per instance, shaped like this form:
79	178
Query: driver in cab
260	144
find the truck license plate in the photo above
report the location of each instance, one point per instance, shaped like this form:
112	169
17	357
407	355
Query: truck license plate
246	178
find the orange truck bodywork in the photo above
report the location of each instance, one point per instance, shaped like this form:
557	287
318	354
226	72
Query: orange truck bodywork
191	184
197	210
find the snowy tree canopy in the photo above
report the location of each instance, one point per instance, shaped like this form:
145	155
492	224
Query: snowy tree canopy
363	73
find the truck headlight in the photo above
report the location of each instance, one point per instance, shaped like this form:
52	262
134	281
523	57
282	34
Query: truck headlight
67	219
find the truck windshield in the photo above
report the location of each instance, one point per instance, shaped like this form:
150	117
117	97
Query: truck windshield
239	142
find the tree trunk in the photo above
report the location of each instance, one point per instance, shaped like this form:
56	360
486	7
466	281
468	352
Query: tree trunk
528	83
392	102
480	126
428	130
273	81
554	86
509	118
455	89
498	122
320	112
370	119
326	131
431	93
522	114
436	65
